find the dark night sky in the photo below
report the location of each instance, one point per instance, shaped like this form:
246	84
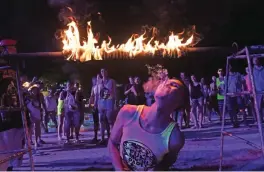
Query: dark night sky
31	21
221	22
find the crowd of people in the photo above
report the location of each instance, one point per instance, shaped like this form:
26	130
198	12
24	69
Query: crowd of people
205	99
160	104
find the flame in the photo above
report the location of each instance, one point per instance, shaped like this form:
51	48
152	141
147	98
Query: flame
136	45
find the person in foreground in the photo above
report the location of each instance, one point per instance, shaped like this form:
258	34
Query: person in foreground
146	138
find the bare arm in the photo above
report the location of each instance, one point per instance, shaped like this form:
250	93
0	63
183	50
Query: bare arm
127	91
42	101
124	115
92	97
114	88
190	89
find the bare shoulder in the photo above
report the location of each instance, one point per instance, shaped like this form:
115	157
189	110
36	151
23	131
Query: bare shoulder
125	115
177	140
127	112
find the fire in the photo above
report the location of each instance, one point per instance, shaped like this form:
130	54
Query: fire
136	45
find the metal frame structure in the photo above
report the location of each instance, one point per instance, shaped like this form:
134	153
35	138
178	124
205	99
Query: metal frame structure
28	149
243	54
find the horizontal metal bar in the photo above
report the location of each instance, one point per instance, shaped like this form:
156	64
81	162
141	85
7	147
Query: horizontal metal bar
5	67
206	49
237	137
243	93
32	55
12	157
237	53
13	151
238	94
244	56
60	55
241	51
257	47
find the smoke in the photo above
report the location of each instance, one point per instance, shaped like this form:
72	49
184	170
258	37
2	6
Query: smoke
79	11
158	74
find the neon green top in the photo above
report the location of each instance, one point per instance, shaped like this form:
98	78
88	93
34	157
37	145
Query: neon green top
60	106
220	84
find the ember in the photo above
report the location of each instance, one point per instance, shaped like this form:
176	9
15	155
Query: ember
136	45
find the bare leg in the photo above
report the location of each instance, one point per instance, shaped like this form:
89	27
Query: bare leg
108	129
71	131
110	118
60	126
53	118
96	125
67	125
181	114
102	119
37	126
194	116
77	125
201	117
46	121
187	113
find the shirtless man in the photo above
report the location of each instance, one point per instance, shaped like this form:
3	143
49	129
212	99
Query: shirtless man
106	104
148	138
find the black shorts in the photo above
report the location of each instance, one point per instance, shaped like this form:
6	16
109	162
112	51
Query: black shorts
213	103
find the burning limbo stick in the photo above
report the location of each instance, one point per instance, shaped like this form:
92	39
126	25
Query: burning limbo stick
122	55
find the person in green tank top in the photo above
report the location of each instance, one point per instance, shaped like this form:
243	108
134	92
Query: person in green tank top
146	138
60	113
220	83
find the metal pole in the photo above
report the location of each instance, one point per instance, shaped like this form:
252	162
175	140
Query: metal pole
13	151
245	56
223	115
61	55
255	99
24	118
